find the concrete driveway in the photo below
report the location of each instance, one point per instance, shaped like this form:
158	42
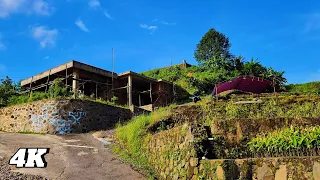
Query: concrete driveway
78	156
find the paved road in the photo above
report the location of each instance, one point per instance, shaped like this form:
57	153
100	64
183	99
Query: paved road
78	156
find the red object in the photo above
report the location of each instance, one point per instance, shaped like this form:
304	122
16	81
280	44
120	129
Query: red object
244	83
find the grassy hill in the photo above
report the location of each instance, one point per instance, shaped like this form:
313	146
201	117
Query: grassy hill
191	78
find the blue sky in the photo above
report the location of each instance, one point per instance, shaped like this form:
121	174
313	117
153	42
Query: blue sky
36	35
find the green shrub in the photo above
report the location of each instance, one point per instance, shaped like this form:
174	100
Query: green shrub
58	89
288	139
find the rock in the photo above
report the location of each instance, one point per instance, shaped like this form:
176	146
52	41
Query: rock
264	173
175	177
194	178
316	171
193	162
195	171
220	173
281	174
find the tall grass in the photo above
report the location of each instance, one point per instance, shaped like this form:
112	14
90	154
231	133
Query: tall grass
133	138
270	108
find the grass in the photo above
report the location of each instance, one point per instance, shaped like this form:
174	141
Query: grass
271	107
311	87
30	132
133	138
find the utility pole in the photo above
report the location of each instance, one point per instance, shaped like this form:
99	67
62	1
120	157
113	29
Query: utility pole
112	71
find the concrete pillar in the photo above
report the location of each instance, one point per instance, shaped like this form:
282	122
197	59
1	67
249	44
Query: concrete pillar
75	83
130	90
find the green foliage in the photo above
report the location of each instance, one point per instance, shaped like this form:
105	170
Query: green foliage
288	139
133	138
58	89
7	89
114	99
281	107
311	87
213	49
217	64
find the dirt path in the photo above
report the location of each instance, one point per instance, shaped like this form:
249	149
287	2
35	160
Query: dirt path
78	156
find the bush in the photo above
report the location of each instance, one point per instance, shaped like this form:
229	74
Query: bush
289	139
58	89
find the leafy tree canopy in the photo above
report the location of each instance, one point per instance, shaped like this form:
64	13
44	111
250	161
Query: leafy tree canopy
213	49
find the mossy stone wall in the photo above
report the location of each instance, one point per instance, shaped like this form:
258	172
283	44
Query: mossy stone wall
172	154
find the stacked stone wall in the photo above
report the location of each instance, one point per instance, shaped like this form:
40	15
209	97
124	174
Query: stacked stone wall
61	116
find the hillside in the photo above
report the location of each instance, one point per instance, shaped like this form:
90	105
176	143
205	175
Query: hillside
191	78
215	139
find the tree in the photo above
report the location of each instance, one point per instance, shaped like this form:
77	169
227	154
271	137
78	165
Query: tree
6	90
58	89
213	49
276	77
237	63
253	68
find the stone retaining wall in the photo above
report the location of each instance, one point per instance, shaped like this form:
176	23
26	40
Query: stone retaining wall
172	156
301	168
61	116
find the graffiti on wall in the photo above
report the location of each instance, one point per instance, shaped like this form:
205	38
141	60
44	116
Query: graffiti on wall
65	126
51	115
39	121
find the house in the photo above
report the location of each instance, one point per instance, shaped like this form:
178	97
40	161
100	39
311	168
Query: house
130	88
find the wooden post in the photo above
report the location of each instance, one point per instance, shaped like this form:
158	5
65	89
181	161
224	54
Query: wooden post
48	80
66	75
30	87
96	91
151	93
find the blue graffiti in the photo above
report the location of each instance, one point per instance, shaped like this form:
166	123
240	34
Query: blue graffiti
39	121
51	115
65	126
62	126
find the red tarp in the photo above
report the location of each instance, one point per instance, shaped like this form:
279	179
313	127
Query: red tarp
244	83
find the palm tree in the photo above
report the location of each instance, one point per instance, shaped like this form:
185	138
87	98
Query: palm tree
276	77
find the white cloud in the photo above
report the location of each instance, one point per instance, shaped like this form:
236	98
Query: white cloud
45	36
95	4
40	7
10	6
81	25
150	28
145	26
107	15
167	23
